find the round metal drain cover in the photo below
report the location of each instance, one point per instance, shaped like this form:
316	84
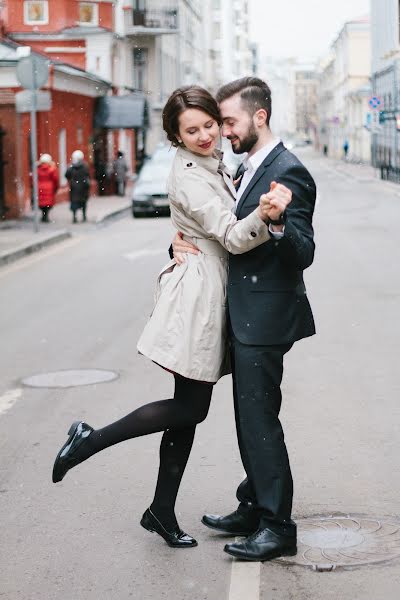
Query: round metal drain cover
330	542
70	378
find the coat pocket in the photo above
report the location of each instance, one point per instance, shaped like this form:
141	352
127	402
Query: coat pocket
163	278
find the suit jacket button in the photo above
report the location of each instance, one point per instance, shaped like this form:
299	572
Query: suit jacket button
253	234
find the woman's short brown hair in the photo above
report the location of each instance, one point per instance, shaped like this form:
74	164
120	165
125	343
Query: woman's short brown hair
191	96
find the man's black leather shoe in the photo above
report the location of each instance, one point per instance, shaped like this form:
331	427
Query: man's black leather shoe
74	450
263	545
176	538
233	524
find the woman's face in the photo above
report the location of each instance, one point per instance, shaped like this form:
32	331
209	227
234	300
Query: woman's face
198	131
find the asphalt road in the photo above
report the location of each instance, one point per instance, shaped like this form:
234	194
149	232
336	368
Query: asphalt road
83	304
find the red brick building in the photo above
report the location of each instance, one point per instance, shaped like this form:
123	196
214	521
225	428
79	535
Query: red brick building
77	37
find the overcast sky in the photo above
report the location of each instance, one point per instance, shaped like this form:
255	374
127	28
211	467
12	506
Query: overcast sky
301	28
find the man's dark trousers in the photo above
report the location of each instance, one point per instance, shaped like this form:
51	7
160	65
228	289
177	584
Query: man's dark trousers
268	489
269	311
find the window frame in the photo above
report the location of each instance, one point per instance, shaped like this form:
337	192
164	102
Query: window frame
95	6
45	20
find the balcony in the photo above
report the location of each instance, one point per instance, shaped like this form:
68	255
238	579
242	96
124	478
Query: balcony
151	22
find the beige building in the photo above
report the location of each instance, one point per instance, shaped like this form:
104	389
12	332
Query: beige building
305	91
344	89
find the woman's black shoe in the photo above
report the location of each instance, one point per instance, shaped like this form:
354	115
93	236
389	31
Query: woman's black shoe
175	539
74	450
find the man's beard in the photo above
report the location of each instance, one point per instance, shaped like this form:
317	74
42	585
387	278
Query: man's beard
247	143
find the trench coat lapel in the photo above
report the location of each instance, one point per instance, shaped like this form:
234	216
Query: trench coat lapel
259	173
229	184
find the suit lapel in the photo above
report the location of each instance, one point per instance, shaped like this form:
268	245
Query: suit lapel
259	173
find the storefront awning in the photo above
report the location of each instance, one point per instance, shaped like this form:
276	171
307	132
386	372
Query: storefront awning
122	112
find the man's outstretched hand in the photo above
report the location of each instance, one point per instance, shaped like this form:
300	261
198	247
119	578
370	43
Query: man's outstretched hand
181	247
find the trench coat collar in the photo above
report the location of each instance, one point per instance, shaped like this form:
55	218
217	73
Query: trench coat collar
211	163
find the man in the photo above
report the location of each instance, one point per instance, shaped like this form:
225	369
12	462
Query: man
268	312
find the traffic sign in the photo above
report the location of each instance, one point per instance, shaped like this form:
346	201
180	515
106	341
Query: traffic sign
33	72
26	102
375	102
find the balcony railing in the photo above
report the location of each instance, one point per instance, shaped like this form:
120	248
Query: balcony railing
151	21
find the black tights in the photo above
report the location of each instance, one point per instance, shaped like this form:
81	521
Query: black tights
177	417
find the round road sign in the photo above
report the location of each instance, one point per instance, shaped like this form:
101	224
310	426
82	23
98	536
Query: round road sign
32	72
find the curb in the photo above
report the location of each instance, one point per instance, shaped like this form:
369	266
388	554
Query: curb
116	213
10	256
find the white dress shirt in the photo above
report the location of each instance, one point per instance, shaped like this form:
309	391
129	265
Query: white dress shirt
251	164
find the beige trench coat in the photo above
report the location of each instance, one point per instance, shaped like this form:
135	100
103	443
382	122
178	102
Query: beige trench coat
187	331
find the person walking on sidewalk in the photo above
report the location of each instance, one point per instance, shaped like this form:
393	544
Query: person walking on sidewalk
186	333
345	148
48	183
79	183
120	170
268	311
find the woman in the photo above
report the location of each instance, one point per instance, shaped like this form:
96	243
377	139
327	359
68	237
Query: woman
79	182
48	183
186	333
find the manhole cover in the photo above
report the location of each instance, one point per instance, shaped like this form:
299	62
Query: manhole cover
330	542
71	378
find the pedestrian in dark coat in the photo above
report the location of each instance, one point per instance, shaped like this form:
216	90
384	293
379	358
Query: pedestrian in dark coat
79	182
48	182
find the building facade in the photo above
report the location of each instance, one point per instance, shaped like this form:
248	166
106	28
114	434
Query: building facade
343	93
386	86
66	127
232	54
279	74
305	90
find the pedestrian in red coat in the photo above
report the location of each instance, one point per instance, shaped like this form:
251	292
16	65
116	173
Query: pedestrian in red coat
48	183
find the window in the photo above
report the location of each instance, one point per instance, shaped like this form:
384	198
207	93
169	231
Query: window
36	13
217	30
88	14
140	62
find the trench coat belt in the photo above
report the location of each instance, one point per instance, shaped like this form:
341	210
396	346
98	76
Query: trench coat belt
210	247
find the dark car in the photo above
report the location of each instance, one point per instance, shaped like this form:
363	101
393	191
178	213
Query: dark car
150	196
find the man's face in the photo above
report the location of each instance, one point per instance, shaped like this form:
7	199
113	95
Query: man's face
238	126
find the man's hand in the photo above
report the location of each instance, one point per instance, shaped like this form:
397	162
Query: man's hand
181	247
274	204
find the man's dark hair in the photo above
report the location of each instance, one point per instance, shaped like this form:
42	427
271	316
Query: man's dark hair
254	93
190	96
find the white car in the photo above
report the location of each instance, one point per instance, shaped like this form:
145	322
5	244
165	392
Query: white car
150	190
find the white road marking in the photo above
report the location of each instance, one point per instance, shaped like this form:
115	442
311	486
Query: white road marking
141	253
8	399
245	580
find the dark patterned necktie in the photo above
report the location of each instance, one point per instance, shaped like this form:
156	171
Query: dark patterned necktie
239	175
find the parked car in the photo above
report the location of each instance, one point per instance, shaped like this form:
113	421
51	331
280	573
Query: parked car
150	190
150	196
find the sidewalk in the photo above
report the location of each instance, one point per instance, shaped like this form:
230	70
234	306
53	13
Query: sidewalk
17	238
360	172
